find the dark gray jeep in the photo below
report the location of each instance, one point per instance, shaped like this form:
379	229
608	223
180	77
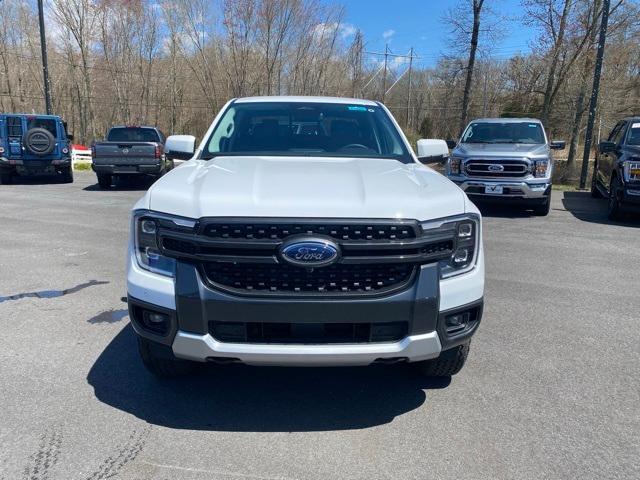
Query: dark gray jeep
32	145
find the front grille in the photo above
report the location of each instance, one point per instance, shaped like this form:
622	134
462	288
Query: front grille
243	257
307	333
336	231
283	278
484	168
479	190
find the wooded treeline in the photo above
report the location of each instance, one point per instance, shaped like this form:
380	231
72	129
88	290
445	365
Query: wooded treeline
175	63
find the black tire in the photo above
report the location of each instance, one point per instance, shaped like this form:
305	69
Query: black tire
595	191
104	180
66	175
543	210
159	360
6	179
447	364
615	210
39	141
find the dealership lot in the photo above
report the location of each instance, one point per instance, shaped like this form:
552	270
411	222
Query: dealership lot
551	388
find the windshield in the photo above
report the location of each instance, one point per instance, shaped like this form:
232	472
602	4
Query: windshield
306	129
634	134
132	134
46	123
507	132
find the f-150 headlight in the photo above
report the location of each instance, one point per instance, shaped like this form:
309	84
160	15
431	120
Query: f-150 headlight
455	165
465	234
540	168
146	245
632	170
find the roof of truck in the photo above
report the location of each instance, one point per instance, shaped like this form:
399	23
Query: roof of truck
506	120
39	115
303	99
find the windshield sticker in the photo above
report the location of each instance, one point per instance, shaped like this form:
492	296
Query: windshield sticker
635	125
357	108
533	125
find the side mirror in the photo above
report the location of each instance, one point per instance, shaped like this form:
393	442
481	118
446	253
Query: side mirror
180	147
451	144
606	147
70	137
557	145
432	151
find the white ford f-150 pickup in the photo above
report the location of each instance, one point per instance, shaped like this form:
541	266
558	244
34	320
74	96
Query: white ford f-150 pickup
305	231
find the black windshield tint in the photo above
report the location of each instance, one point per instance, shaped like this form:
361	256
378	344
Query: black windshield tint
508	132
132	134
634	134
306	129
46	123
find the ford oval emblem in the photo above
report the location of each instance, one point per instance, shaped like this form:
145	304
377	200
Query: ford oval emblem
496	168
310	252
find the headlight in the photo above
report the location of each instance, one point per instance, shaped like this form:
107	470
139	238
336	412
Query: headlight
540	168
632	170
465	232
455	164
146	225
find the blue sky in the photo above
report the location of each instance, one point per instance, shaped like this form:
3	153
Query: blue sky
418	23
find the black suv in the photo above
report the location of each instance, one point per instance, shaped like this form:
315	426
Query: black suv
616	174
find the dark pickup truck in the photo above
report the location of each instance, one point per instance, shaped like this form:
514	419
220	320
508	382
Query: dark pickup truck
616	174
130	151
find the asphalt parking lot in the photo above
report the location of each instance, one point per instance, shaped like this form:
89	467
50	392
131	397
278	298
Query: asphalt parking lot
551	389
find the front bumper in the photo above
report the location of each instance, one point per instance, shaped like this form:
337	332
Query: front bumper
129	169
191	305
631	198
534	190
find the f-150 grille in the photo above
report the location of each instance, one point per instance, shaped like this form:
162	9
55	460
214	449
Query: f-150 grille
496	168
337	231
282	278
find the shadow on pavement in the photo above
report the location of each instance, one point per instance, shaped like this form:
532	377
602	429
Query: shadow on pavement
588	209
256	399
502	210
123	184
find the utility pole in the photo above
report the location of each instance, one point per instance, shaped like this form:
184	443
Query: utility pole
593	103
45	66
409	90
384	76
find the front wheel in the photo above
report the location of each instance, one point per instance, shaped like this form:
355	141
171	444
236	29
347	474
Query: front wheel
447	364
543	209
615	210
160	361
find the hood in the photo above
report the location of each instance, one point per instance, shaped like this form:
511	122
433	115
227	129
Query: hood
501	150
305	187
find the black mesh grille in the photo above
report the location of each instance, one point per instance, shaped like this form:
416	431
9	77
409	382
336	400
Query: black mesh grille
279	231
281	278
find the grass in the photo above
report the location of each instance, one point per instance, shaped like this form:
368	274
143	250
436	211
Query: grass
82	166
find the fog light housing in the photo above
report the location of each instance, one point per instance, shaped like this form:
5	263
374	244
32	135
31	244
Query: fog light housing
457	322
155	322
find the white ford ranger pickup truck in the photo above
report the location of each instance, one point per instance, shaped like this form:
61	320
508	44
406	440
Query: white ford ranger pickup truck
304	231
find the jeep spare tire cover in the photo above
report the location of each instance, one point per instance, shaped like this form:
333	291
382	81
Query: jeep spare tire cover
39	141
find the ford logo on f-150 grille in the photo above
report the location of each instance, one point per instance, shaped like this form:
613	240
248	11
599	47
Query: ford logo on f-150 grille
496	168
310	252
